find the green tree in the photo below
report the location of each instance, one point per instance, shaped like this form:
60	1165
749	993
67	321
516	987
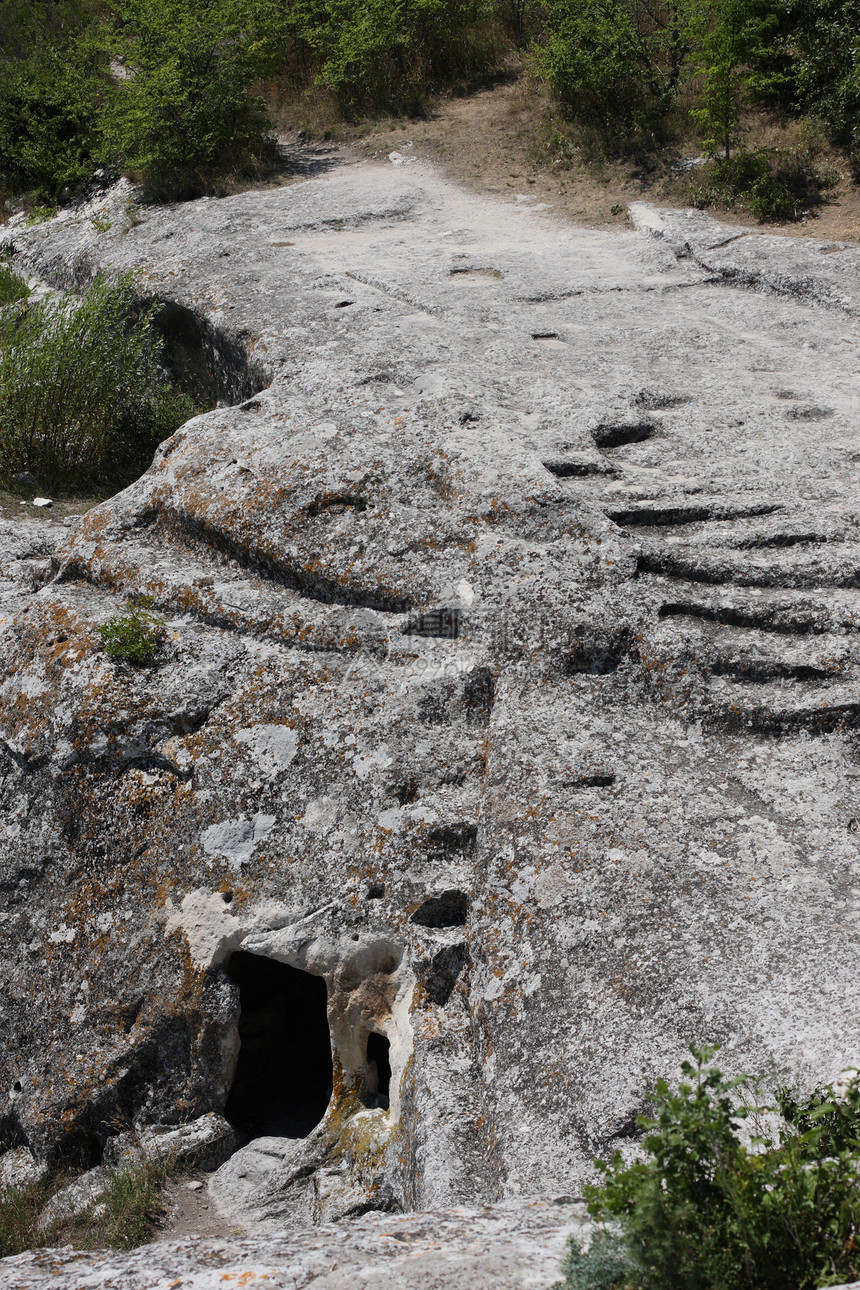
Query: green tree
618	61
733	43
182	112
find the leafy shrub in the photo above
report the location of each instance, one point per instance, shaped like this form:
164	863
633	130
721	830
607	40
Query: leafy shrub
182	113
38	214
630	68
82	402
388	55
774	186
826	56
701	1209
50	87
606	1264
133	637
619	63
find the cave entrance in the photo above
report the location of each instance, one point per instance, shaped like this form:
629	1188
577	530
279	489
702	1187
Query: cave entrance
283	1079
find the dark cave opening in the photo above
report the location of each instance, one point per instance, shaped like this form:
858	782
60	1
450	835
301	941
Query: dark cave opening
379	1071
283	1079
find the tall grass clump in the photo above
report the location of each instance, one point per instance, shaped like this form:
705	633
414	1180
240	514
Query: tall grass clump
12	285
124	1215
702	1208
128	1212
19	1217
83	401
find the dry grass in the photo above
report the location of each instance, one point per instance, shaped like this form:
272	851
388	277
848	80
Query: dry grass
313	110
19	1215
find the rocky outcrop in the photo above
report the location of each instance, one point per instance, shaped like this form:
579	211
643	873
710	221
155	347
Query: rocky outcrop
518	1245
509	688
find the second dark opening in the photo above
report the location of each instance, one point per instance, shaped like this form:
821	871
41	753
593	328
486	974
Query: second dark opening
378	1070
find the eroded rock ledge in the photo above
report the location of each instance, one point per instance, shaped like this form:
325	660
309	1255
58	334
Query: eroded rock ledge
510	690
517	1244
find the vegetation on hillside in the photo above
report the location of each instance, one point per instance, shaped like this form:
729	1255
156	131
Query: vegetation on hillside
174	92
728	1195
179	108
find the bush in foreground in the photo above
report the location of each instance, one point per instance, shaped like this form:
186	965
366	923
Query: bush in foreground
701	1209
83	403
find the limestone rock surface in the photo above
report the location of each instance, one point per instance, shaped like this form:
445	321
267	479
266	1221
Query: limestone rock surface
204	1144
518	1245
509	686
81	1195
18	1168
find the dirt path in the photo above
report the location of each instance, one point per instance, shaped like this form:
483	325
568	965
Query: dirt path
189	1211
494	141
490	142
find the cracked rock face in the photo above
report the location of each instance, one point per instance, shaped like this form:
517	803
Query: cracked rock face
510	685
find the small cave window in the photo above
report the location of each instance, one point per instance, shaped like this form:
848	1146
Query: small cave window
283	1079
378	1080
